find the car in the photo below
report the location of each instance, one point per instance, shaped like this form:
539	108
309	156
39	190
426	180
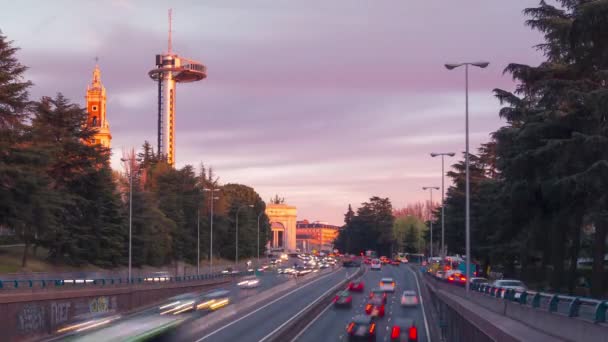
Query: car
249	282
343	299
409	298
179	304
367	261
214	300
375	307
361	328
377	292
404	260
195	301
439	274
301	270
395	262
479	280
387	284
229	270
356	286
376	265
457	278
510	284
158	277
404	330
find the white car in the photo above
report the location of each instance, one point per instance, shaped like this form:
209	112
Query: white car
376	264
409	298
249	282
510	284
387	284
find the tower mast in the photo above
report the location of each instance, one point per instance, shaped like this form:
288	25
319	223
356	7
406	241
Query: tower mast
169	50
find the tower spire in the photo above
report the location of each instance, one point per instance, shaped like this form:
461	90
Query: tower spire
170	10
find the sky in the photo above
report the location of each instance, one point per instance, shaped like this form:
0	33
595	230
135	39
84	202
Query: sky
323	102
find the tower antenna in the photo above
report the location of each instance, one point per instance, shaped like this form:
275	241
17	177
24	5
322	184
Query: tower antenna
170	10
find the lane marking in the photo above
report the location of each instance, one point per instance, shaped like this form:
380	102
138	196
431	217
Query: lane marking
300	312
311	323
426	324
266	305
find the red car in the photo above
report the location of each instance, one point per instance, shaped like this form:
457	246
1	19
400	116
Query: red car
343	299
404	330
361	328
367	261
356	286
375	307
457	278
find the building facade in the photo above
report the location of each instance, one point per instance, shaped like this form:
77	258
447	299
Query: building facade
96	109
315	235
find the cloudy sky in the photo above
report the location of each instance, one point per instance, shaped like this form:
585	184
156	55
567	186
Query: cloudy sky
324	102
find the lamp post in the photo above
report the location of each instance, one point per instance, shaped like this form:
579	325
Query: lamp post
236	257
467	185
259	215
212	190
130	160
430	189
443	154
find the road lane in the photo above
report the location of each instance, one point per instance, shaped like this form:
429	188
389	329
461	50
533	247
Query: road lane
149	319
331	324
255	325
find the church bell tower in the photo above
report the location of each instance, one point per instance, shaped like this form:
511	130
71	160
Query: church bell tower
96	109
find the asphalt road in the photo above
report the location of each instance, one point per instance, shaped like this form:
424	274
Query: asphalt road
150	319
331	324
256	325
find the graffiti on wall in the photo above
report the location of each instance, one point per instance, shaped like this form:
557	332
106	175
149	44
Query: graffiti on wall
59	312
99	304
102	304
31	318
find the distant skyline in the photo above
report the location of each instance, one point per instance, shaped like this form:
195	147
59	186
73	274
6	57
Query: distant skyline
324	103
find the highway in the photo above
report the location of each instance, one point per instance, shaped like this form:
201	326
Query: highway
261	322
149	319
331	324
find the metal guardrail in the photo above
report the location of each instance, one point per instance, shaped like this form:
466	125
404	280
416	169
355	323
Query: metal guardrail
589	309
585	308
15	284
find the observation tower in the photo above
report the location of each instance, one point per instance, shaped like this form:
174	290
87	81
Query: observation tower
170	70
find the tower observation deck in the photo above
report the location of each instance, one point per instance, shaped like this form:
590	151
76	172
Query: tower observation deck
170	70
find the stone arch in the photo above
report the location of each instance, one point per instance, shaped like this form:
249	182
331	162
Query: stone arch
282	219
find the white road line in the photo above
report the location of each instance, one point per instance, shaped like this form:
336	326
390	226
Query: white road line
311	323
426	324
298	313
258	309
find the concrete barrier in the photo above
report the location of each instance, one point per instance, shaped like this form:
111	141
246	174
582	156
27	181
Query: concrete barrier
32	316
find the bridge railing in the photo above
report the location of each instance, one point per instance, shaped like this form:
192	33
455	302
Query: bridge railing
25	284
590	309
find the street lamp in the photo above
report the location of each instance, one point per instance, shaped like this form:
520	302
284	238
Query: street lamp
211	229
430	189
442	154
130	160
236	258
259	215
467	194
